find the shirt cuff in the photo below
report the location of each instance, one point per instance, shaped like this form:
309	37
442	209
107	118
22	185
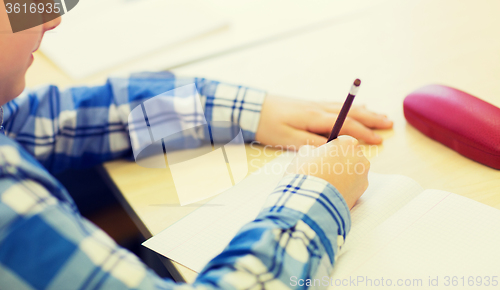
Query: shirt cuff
240	105
315	202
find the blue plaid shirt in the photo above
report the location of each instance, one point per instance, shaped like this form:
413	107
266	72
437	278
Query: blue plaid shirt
46	244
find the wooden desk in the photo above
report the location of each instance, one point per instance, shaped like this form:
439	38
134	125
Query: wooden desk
394	50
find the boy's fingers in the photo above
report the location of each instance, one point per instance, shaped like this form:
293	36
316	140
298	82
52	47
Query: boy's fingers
357	130
363	115
370	119
343	140
331	107
299	138
321	124
347	138
335	107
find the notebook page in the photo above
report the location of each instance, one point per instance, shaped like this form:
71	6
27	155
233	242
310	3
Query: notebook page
200	236
386	194
437	234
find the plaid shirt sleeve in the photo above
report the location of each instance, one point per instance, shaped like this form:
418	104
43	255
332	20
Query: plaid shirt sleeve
84	126
292	244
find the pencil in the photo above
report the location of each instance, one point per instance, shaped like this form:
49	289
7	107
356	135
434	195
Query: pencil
345	109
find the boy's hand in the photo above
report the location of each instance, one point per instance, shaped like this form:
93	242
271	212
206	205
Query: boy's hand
286	121
340	162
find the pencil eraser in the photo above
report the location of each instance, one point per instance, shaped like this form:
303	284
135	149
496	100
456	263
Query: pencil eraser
458	120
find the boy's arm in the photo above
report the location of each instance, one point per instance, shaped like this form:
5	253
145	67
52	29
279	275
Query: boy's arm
45	243
84	126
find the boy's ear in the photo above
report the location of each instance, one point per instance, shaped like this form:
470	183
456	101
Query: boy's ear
25	14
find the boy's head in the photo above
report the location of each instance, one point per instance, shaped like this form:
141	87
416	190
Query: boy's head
16	53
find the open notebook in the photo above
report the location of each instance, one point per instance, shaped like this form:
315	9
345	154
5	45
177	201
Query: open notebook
399	231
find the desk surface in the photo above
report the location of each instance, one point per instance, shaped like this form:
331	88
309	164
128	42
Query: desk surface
249	23
394	49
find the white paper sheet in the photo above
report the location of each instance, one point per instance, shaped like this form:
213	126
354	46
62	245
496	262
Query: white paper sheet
398	231
201	235
437	235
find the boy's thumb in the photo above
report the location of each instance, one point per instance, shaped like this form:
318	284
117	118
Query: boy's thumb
347	138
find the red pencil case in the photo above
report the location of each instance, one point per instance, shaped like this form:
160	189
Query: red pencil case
458	120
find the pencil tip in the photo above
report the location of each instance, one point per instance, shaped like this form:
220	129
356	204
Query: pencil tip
357	82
